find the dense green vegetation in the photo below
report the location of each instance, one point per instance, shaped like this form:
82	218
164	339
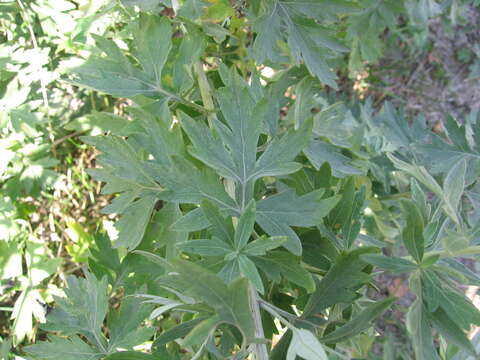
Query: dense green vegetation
228	180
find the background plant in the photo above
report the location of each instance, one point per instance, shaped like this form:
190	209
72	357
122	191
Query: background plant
256	206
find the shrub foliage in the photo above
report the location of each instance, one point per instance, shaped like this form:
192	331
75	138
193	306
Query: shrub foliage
256	204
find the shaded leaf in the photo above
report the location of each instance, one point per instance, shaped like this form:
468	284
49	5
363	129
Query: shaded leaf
340	283
69	349
393	264
421	332
359	323
450	330
412	234
279	212
286	264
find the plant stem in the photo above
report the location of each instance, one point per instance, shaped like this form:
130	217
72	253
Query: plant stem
261	352
183	101
206	93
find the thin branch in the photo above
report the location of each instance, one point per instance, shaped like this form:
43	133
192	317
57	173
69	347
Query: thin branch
261	352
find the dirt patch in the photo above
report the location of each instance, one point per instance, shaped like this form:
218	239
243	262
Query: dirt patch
441	80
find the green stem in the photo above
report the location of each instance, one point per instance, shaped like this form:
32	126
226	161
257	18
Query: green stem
206	93
261	352
183	101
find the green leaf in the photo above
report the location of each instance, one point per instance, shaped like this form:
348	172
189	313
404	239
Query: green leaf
421	332
319	152
443	155
301	109
418	196
419	173
346	214
192	9
69	349
305	344
454	185
280	262
308	40
202	331
192	221
133	223
244	117
11	260
104	259
245	226
365	29
208	148
125	324
98	123
153	44
161	233
218	10
188	184
27	306
263	245
176	332
464	355
116	75
230	271
393	264
437	292
422	175
323	9
340	283
126	173
359	323
450	330
5	346
221	227
132	355
83	310
249	270
122	169
412	234
158	135
146	5
207	247
464	274
276	214
230	302
276	159
232	149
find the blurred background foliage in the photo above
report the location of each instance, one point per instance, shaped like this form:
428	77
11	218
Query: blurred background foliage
420	55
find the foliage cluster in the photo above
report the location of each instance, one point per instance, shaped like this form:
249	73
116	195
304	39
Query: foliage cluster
256	204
